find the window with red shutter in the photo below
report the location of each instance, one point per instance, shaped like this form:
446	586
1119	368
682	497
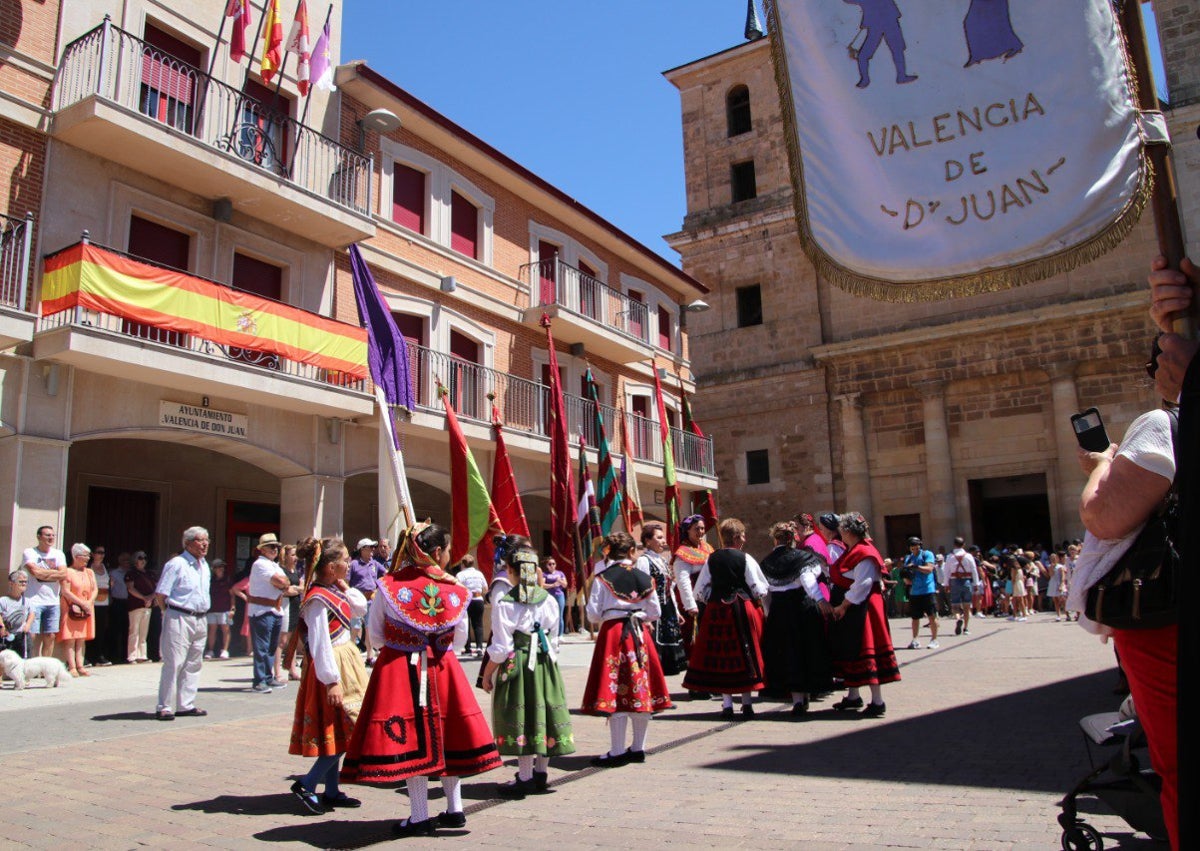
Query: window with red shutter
408	197
664	328
548	271
464	226
170	77
166	247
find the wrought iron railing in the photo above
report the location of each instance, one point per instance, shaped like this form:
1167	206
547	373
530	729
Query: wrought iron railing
129	72
524	405
553	282
16	245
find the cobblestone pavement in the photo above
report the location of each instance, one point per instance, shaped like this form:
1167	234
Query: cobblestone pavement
979	743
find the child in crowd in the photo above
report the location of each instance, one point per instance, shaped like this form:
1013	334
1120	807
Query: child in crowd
15	615
530	718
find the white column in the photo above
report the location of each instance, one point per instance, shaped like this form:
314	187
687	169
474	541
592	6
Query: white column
311	505
939	467
33	493
855	469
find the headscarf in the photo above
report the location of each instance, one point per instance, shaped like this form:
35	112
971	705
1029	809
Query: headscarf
829	520
687	523
408	550
524	562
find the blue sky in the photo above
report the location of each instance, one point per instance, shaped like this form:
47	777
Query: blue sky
572	91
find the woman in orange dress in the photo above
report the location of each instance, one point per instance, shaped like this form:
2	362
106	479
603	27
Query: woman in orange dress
78	621
334	679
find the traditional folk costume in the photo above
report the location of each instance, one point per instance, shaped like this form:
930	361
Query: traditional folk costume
626	676
530	717
687	562
826	553
795	646
319	729
727	656
861	640
668	636
419	717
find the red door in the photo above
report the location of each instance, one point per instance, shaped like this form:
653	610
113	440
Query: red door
244	523
548	272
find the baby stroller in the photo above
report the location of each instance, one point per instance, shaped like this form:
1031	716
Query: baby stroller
1131	791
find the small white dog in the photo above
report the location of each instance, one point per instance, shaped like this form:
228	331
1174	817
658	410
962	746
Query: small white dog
20	671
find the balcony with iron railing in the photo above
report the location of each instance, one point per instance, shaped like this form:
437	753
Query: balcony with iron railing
16	246
125	100
115	345
524	406
607	322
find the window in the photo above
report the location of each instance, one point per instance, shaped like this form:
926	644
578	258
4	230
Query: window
758	467
741	179
259	136
749	306
548	254
464	226
408	197
466	384
169	77
265	279
737	110
412	328
166	247
664	328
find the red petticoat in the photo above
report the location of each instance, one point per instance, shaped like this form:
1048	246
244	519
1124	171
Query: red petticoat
626	676
862	645
395	738
727	655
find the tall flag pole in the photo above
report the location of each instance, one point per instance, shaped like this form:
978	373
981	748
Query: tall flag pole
702	501
631	504
506	496
387	358
562	488
670	487
472	515
300	44
272	57
587	513
608	489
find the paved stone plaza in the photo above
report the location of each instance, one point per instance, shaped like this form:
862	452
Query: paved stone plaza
979	743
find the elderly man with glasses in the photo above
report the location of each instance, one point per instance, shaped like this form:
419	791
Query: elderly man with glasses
15	616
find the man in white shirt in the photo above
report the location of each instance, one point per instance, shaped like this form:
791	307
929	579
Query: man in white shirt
960	580
46	566
268	584
182	595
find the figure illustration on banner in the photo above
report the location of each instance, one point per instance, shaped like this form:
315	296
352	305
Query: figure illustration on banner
989	32
880	22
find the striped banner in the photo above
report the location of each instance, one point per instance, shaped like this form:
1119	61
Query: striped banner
97	279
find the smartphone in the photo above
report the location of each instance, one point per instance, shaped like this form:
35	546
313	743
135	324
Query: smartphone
1089	430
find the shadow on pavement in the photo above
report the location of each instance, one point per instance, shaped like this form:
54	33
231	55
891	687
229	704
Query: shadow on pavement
126	716
333	834
282	803
969	745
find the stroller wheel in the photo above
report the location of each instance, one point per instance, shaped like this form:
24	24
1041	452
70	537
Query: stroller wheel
1082	837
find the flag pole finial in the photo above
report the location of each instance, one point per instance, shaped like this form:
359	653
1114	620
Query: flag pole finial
754	26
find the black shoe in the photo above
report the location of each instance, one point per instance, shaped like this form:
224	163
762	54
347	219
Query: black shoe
846	704
541	780
747	710
727	713
610	761
799	710
874	710
342	801
636	756
958	627
308	800
454	820
516	790
407	827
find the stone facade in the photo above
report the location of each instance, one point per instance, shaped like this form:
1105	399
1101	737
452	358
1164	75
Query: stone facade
938	418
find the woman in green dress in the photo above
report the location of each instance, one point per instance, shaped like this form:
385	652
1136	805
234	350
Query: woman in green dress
530	718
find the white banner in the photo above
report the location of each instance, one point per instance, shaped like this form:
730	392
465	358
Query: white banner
943	147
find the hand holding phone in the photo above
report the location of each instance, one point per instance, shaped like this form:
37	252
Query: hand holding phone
1089	430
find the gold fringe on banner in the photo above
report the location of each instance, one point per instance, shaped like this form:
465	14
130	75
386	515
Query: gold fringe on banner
953	286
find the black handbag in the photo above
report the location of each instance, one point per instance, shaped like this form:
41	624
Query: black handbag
1139	592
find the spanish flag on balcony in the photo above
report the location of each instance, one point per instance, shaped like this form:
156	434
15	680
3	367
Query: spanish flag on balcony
95	278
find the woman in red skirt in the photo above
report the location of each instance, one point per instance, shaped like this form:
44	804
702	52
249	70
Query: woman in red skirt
420	718
626	679
727	655
331	689
861	638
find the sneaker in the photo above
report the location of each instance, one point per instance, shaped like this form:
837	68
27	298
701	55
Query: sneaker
958	627
1022	620
277	684
933	645
1057	619
966	631
261	688
914	645
224	654
207	657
